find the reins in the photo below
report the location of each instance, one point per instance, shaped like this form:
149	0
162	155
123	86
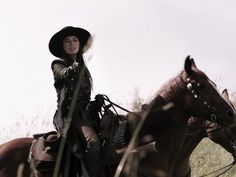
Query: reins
102	97
232	144
202	128
114	104
229	166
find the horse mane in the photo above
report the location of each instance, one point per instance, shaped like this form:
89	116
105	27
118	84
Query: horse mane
171	90
165	99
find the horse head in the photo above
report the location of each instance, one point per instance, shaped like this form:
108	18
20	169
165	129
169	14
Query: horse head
224	136
203	98
198	129
196	95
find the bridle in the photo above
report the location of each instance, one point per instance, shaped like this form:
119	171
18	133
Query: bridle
232	144
193	86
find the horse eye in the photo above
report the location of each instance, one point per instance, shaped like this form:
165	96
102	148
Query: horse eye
201	86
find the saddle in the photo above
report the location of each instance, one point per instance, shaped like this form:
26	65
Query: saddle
43	153
112	131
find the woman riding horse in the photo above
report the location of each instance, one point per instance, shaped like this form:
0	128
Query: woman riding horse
191	93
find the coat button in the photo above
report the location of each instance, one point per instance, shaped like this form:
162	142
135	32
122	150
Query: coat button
69	98
72	79
68	107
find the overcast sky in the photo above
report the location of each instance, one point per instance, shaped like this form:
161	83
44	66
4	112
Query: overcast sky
138	45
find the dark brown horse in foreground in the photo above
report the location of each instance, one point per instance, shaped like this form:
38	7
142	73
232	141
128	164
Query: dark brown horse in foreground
191	93
192	98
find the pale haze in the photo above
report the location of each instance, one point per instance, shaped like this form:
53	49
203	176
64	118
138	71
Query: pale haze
137	46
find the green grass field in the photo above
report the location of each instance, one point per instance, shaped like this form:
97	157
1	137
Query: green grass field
209	157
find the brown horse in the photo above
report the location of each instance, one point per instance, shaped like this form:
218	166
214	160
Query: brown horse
197	130
14	158
191	93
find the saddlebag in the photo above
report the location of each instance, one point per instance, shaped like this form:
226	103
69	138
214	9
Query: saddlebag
43	153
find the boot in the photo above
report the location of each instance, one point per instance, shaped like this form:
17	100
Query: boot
93	164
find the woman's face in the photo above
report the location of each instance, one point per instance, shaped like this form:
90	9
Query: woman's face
71	46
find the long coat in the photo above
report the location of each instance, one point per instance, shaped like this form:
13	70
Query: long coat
65	84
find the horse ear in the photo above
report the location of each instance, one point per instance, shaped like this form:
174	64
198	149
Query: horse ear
189	65
225	94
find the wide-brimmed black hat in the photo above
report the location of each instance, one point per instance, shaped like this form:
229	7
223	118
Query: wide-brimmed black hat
55	43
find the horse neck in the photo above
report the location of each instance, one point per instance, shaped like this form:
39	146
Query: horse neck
173	120
195	133
168	128
173	92
161	121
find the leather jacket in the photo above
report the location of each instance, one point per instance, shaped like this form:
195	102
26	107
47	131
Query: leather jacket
65	81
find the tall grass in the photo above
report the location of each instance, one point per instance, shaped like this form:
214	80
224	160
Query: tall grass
209	157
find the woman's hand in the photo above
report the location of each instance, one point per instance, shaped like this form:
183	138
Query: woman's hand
73	69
